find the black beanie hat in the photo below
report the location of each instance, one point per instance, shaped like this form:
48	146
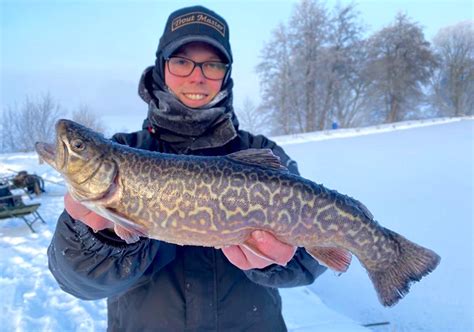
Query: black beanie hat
195	24
192	24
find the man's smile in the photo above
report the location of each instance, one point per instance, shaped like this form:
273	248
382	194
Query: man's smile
195	96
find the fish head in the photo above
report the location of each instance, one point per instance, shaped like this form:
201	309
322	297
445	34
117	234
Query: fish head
83	157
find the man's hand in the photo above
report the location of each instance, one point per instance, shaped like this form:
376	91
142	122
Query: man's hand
88	217
250	255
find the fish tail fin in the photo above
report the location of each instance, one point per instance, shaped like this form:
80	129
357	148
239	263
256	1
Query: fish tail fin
413	263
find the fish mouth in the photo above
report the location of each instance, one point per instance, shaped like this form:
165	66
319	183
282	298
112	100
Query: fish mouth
53	154
46	152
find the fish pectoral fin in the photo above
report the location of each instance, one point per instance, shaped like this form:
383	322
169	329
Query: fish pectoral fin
127	230
336	259
125	234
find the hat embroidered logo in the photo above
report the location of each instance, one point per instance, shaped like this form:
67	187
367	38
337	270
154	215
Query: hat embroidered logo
198	18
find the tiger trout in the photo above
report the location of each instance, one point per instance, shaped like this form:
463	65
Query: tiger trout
219	201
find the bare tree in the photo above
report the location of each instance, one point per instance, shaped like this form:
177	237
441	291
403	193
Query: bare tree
34	121
347	56
276	79
453	83
252	118
8	125
311	70
309	28
319	69
401	63
85	116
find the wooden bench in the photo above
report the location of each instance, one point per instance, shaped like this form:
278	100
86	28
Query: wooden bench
12	206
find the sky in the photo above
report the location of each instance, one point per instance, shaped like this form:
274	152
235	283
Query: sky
93	52
416	179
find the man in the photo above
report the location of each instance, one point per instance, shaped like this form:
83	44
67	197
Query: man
153	285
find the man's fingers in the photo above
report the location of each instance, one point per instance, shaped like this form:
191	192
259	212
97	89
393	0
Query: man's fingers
97	222
236	256
88	217
268	246
260	250
74	208
254	260
244	259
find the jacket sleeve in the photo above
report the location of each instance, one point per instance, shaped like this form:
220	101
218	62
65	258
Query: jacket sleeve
302	269
92	265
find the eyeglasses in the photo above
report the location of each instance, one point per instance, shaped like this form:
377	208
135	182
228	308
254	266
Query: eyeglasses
183	67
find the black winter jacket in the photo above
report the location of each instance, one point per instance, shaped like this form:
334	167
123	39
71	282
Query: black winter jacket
157	286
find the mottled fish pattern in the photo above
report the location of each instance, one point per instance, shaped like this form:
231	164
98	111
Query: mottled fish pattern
219	201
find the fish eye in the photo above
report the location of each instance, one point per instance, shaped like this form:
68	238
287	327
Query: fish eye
77	144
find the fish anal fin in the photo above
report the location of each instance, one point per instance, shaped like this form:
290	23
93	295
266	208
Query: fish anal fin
259	157
336	259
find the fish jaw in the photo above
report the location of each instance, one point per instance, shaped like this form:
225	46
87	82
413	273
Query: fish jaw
54	155
47	153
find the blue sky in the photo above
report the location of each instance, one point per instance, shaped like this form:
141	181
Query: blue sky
93	52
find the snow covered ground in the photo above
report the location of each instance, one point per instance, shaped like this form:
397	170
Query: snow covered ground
417	181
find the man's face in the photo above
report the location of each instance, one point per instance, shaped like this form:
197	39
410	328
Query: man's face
194	90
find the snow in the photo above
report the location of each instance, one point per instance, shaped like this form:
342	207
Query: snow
415	177
418	182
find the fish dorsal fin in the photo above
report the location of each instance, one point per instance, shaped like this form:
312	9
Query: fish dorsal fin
259	157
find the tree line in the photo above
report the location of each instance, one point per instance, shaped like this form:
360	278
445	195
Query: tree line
24	125
318	70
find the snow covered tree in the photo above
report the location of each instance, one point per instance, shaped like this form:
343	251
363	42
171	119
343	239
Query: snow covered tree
347	57
309	31
252	118
34	121
86	117
279	93
312	69
453	83
401	63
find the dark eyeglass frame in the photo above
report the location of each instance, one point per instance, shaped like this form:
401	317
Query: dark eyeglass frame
197	64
